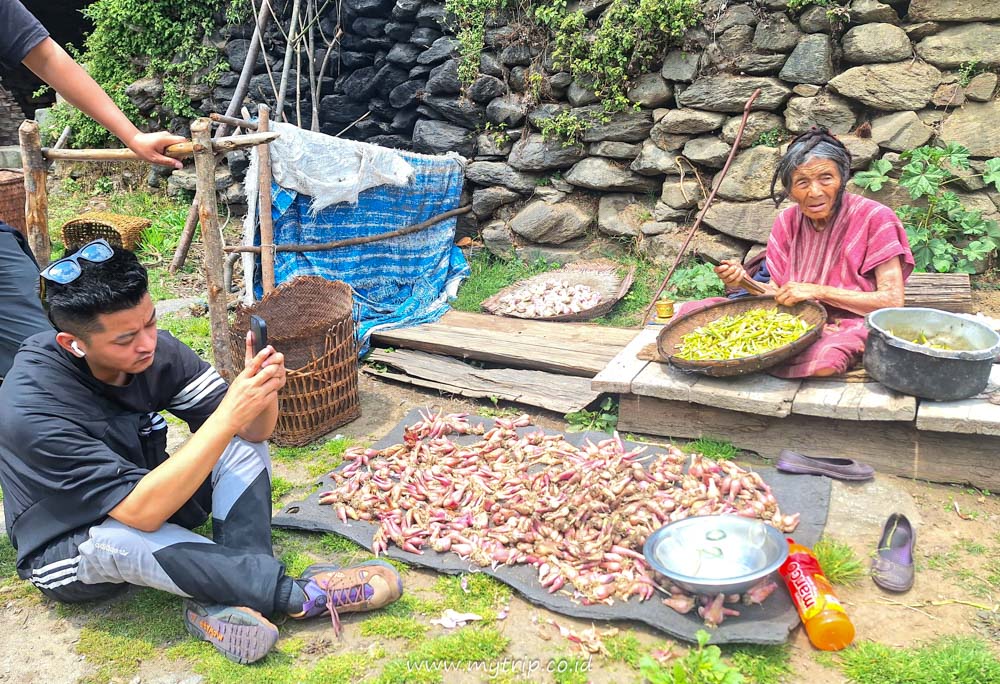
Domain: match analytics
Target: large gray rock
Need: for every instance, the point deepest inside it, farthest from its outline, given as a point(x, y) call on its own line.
point(498, 239)
point(629, 126)
point(776, 33)
point(145, 93)
point(681, 194)
point(922, 29)
point(757, 64)
point(707, 151)
point(681, 66)
point(438, 137)
point(757, 123)
point(750, 175)
point(552, 224)
point(981, 87)
point(949, 49)
point(873, 43)
point(745, 220)
point(737, 15)
point(509, 109)
point(872, 11)
point(598, 173)
point(615, 150)
point(948, 95)
point(688, 122)
point(653, 161)
point(485, 89)
point(815, 20)
point(900, 131)
point(662, 248)
point(736, 41)
point(954, 10)
point(811, 61)
point(485, 201)
point(534, 153)
point(650, 91)
point(443, 79)
point(622, 214)
point(975, 126)
point(580, 96)
point(457, 110)
point(497, 173)
point(825, 109)
point(863, 150)
point(442, 49)
point(730, 93)
point(891, 87)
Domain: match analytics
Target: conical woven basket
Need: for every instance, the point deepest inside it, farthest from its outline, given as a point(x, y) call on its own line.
point(118, 229)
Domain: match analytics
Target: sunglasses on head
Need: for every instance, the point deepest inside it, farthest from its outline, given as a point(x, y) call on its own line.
point(68, 269)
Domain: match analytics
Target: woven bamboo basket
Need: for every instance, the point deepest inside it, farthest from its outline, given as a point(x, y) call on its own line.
point(118, 229)
point(310, 321)
point(12, 198)
point(601, 275)
point(670, 336)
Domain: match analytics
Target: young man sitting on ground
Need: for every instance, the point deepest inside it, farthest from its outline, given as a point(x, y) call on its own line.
point(91, 499)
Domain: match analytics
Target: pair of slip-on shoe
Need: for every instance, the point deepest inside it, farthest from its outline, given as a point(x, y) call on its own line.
point(839, 468)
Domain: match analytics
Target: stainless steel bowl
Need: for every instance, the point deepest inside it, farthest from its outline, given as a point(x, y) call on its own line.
point(715, 554)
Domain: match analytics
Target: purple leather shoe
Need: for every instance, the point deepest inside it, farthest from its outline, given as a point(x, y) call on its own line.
point(892, 567)
point(839, 468)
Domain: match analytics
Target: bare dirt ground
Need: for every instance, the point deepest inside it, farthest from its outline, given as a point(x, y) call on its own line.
point(957, 552)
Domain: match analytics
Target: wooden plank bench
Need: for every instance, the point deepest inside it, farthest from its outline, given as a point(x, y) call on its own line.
point(945, 291)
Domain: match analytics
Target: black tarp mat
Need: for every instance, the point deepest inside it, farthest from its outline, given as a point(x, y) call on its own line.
point(765, 624)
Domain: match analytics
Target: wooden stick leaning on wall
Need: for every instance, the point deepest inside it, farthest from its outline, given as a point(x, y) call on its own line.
point(264, 203)
point(36, 197)
point(178, 151)
point(708, 203)
point(208, 215)
point(348, 242)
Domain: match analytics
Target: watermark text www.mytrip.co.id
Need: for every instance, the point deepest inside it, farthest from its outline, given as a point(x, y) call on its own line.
point(503, 666)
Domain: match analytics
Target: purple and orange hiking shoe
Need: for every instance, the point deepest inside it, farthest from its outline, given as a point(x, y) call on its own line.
point(242, 635)
point(329, 588)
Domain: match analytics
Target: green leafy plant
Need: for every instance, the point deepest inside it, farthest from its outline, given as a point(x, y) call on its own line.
point(945, 237)
point(715, 449)
point(565, 126)
point(840, 563)
point(967, 71)
point(771, 138)
point(702, 665)
point(604, 419)
point(697, 281)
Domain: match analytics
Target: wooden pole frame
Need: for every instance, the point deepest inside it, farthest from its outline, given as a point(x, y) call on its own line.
point(36, 196)
point(208, 214)
point(264, 202)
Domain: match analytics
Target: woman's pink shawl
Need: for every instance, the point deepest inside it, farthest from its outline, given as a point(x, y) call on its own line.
point(865, 235)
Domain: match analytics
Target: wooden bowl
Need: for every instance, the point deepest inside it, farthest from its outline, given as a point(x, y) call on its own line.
point(811, 312)
point(598, 274)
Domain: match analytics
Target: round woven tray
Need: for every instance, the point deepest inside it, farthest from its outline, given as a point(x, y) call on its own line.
point(601, 275)
point(811, 312)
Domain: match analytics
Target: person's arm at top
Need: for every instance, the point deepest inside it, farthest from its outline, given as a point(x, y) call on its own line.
point(249, 403)
point(52, 64)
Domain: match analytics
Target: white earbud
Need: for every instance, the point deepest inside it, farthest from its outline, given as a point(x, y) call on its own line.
point(76, 349)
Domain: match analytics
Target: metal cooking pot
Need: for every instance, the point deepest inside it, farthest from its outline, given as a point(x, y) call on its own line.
point(959, 372)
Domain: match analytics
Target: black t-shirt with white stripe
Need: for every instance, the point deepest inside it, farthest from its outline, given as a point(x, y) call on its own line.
point(72, 447)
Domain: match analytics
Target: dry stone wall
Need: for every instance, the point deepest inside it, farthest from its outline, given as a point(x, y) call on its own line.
point(899, 69)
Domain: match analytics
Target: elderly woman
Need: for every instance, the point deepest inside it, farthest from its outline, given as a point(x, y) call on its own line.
point(847, 251)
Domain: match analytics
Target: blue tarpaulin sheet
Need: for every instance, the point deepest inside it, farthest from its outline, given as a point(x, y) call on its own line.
point(398, 282)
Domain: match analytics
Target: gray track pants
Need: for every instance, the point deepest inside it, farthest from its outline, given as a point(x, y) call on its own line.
point(235, 568)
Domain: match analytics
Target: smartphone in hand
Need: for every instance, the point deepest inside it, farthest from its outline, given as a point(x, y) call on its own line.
point(258, 332)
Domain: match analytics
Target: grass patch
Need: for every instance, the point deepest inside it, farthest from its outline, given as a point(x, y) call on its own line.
point(423, 663)
point(951, 660)
point(490, 274)
point(8, 559)
point(840, 563)
point(715, 449)
point(972, 548)
point(624, 647)
point(319, 459)
point(279, 487)
point(393, 627)
point(483, 594)
point(762, 664)
point(128, 631)
point(194, 331)
point(628, 312)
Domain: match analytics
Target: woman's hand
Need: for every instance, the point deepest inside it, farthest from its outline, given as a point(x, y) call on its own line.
point(793, 293)
point(731, 272)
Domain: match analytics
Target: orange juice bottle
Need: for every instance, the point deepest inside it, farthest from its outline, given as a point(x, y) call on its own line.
point(825, 619)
